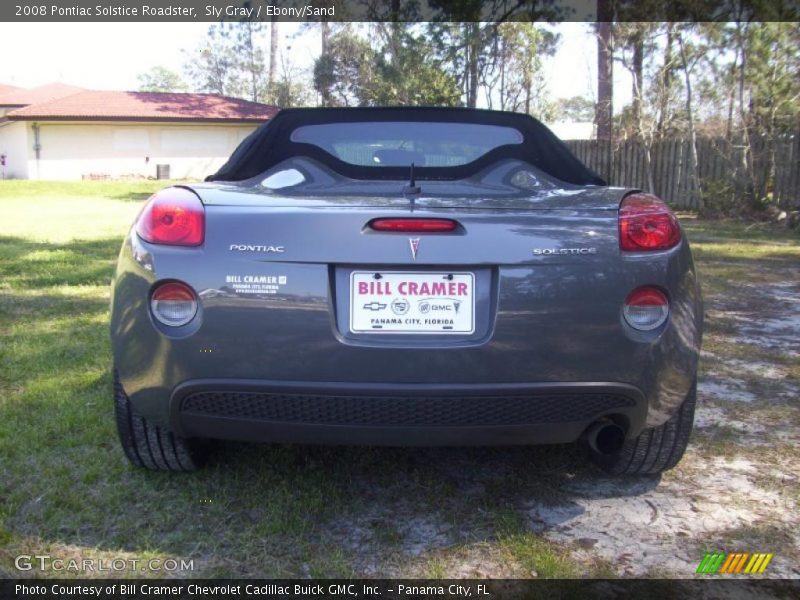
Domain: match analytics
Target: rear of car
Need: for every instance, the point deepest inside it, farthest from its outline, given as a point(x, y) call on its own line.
point(405, 277)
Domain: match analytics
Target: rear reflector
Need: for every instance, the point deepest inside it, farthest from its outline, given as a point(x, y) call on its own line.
point(414, 225)
point(647, 224)
point(173, 303)
point(174, 217)
point(646, 308)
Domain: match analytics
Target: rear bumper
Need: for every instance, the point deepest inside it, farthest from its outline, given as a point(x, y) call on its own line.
point(400, 414)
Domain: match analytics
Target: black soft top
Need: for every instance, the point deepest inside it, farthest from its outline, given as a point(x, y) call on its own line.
point(271, 144)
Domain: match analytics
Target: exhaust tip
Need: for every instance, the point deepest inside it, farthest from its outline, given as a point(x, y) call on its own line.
point(605, 437)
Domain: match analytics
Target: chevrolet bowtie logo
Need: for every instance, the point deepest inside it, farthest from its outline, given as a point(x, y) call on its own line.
point(374, 306)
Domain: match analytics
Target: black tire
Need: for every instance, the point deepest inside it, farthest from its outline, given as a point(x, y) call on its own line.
point(656, 449)
point(149, 446)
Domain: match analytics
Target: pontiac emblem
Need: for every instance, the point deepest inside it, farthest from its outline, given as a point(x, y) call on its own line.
point(254, 248)
point(414, 243)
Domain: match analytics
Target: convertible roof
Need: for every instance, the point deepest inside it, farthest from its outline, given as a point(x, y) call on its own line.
point(271, 144)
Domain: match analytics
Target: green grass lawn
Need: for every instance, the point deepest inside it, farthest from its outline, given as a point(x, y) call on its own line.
point(66, 489)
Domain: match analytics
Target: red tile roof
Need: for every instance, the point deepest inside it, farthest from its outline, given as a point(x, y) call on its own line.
point(5, 88)
point(144, 106)
point(43, 93)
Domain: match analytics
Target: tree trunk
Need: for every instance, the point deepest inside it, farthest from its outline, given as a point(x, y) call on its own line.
point(638, 79)
point(642, 137)
point(396, 30)
point(273, 57)
point(769, 142)
point(666, 83)
point(325, 34)
point(605, 74)
point(604, 112)
point(251, 48)
point(690, 115)
point(731, 100)
point(472, 63)
point(746, 165)
point(502, 73)
point(526, 82)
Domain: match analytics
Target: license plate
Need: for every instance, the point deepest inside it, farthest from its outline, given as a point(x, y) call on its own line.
point(412, 302)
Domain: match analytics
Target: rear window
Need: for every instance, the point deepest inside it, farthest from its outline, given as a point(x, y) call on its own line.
point(398, 144)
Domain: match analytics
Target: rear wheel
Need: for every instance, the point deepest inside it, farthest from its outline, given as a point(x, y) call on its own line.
point(656, 449)
point(150, 446)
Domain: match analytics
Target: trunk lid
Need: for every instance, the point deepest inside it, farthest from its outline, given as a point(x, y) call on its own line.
point(549, 228)
point(435, 195)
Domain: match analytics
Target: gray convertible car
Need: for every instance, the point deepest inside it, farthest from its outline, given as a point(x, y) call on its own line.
point(405, 276)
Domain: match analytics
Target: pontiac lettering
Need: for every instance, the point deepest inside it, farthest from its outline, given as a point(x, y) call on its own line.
point(256, 248)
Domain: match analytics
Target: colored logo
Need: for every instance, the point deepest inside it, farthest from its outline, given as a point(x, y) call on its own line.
point(720, 563)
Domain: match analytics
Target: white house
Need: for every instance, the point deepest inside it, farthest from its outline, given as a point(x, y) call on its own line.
point(62, 132)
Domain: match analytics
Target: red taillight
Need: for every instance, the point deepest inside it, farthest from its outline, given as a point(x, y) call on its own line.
point(646, 296)
point(646, 308)
point(414, 225)
point(646, 223)
point(175, 217)
point(173, 303)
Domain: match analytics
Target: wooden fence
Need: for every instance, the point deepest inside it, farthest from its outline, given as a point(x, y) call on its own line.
point(719, 166)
